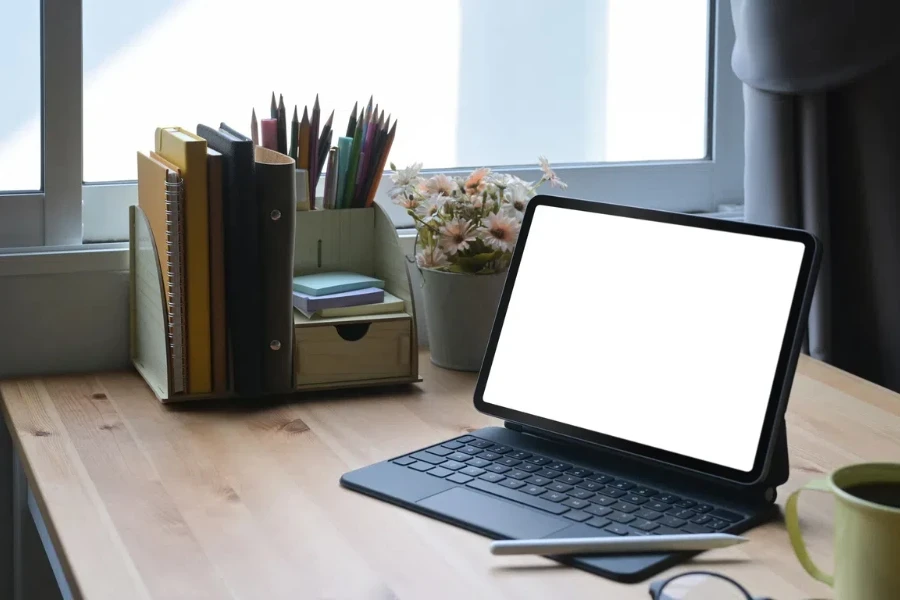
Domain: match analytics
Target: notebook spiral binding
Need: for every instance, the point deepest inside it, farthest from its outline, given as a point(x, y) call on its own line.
point(177, 319)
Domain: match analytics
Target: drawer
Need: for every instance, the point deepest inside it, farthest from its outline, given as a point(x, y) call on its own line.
point(356, 351)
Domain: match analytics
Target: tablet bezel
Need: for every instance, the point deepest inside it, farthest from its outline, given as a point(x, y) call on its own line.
point(782, 378)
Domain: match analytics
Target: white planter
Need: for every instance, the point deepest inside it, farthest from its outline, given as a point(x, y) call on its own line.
point(459, 311)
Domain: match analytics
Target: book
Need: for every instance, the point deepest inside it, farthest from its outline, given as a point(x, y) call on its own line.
point(308, 304)
point(321, 284)
point(277, 205)
point(243, 282)
point(188, 152)
point(219, 326)
point(390, 304)
point(160, 197)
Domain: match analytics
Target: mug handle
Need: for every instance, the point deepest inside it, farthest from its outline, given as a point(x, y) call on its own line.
point(793, 527)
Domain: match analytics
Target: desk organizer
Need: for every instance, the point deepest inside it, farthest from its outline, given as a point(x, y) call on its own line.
point(329, 353)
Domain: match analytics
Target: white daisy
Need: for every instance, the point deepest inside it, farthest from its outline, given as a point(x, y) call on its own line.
point(456, 235)
point(405, 176)
point(431, 258)
point(550, 175)
point(501, 232)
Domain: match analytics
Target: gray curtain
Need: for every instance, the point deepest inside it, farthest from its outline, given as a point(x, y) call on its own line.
point(822, 152)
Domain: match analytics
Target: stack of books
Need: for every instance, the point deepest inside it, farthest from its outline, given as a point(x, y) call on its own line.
point(342, 294)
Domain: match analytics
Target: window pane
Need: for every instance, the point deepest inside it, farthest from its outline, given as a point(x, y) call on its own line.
point(473, 82)
point(20, 95)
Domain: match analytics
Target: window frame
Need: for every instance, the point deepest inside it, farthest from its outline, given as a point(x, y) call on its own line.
point(67, 212)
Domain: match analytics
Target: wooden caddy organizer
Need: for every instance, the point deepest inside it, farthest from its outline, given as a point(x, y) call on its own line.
point(340, 352)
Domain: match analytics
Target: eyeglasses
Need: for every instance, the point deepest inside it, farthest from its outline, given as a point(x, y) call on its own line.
point(699, 585)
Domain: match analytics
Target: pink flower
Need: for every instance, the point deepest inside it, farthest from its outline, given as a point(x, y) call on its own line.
point(407, 201)
point(431, 258)
point(476, 183)
point(456, 235)
point(501, 232)
point(440, 184)
point(549, 174)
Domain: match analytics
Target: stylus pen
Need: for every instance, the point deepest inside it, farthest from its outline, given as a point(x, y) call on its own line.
point(617, 545)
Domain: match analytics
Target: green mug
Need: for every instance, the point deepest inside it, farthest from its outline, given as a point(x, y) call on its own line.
point(866, 534)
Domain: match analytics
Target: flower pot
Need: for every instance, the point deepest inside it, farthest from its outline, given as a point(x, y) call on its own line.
point(459, 311)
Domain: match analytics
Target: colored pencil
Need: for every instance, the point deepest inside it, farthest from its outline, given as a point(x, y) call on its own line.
point(314, 145)
point(344, 144)
point(382, 160)
point(373, 175)
point(331, 179)
point(282, 126)
point(254, 129)
point(352, 170)
point(295, 131)
point(351, 124)
point(364, 166)
point(303, 144)
point(273, 108)
point(325, 140)
point(270, 133)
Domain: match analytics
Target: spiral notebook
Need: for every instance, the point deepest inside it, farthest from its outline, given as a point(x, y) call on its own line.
point(161, 197)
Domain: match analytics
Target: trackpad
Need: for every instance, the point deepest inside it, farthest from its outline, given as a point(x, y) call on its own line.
point(493, 516)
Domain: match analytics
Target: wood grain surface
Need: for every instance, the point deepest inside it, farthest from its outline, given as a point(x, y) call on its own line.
point(238, 499)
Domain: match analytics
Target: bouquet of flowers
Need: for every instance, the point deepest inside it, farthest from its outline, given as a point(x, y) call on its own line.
point(466, 224)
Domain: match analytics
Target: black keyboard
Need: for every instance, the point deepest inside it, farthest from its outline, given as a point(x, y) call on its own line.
point(616, 506)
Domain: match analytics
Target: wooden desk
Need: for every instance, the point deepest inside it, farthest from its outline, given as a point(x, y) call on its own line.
point(242, 500)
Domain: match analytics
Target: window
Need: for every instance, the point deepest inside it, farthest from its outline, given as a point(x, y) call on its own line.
point(633, 101)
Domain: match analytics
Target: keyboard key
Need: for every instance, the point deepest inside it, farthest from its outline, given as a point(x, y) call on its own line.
point(667, 498)
point(440, 451)
point(471, 471)
point(559, 487)
point(478, 462)
point(694, 528)
point(459, 478)
point(621, 484)
point(476, 443)
point(538, 480)
point(428, 457)
point(599, 511)
point(591, 486)
point(717, 524)
point(534, 490)
point(703, 508)
point(577, 515)
point(453, 465)
point(617, 529)
point(598, 522)
point(421, 466)
point(644, 491)
point(518, 455)
point(465, 439)
point(489, 455)
point(526, 466)
point(634, 498)
point(612, 492)
point(470, 450)
point(721, 513)
point(497, 449)
point(440, 472)
point(624, 507)
point(637, 532)
point(452, 445)
point(497, 469)
point(554, 496)
point(508, 462)
point(537, 460)
point(685, 503)
point(650, 515)
point(601, 478)
point(701, 519)
point(403, 461)
point(670, 521)
point(682, 513)
point(658, 506)
point(549, 473)
point(603, 500)
point(516, 474)
point(644, 525)
point(518, 496)
point(579, 472)
point(559, 466)
point(569, 480)
point(576, 503)
point(512, 484)
point(665, 530)
point(581, 494)
point(458, 457)
point(492, 477)
point(620, 517)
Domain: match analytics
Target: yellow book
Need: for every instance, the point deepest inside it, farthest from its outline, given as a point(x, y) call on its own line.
point(188, 152)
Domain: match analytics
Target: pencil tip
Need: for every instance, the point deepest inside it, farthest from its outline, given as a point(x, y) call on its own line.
point(295, 112)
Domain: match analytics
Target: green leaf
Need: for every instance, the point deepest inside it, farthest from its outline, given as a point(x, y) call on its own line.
point(393, 167)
